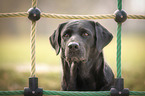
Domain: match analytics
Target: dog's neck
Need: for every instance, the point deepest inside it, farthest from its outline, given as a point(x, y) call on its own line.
point(82, 70)
point(93, 63)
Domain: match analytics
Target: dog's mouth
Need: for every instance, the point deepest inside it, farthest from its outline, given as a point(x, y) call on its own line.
point(76, 59)
point(77, 55)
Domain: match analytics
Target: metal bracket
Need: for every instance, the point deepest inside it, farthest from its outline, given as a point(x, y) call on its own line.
point(33, 89)
point(34, 14)
point(119, 89)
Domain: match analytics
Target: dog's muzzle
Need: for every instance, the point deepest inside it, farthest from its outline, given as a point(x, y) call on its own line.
point(75, 52)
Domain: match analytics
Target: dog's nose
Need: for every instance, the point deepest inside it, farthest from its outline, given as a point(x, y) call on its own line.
point(73, 45)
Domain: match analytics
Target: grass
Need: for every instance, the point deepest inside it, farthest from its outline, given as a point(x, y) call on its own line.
point(12, 80)
point(15, 53)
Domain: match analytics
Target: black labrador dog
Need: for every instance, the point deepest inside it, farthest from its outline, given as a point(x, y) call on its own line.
point(81, 43)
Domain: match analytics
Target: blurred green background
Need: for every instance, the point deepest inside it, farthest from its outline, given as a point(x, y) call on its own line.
point(15, 42)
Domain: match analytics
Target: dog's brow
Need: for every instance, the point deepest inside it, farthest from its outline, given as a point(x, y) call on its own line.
point(68, 30)
point(85, 29)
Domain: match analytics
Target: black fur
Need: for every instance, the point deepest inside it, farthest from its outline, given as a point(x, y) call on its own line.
point(81, 43)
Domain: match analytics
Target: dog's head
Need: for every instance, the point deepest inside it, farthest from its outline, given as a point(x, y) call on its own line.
point(78, 39)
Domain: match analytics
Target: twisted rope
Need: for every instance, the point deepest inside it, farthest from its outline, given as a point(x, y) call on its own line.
point(118, 58)
point(119, 4)
point(118, 51)
point(33, 31)
point(66, 16)
point(70, 93)
point(18, 14)
point(34, 3)
point(75, 93)
point(137, 93)
point(21, 92)
point(136, 17)
point(33, 49)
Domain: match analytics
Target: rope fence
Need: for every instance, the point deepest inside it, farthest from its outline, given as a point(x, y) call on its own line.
point(66, 16)
point(70, 93)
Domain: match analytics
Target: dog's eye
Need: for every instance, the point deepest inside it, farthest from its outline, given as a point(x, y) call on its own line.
point(85, 34)
point(66, 35)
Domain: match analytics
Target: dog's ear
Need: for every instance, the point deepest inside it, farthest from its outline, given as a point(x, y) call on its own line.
point(55, 38)
point(103, 36)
